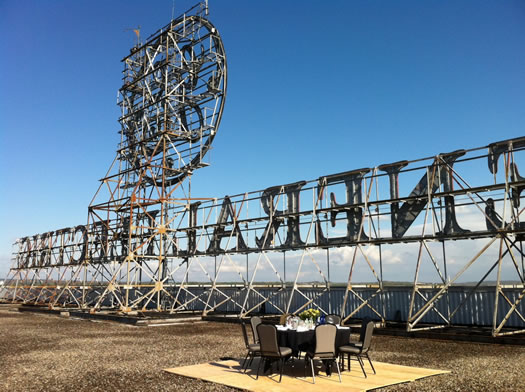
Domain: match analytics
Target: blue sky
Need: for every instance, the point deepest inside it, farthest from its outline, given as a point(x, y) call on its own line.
point(313, 89)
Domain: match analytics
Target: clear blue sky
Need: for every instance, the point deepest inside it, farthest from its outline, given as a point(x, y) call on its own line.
point(314, 88)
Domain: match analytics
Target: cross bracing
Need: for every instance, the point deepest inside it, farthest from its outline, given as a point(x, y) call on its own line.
point(180, 254)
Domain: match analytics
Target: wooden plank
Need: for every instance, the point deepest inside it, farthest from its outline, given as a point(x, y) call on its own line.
point(229, 373)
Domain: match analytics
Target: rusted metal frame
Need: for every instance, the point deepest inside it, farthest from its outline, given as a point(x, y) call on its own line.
point(434, 262)
point(309, 301)
point(500, 260)
point(263, 253)
point(177, 185)
point(434, 308)
point(162, 237)
point(176, 214)
point(473, 290)
point(499, 291)
point(227, 299)
point(468, 193)
point(189, 262)
point(315, 204)
point(114, 290)
point(204, 234)
point(64, 294)
point(8, 284)
point(27, 287)
point(146, 167)
point(377, 233)
point(506, 161)
point(48, 274)
point(99, 269)
point(131, 253)
point(74, 297)
point(466, 267)
point(368, 192)
point(16, 291)
point(68, 283)
point(111, 284)
point(188, 302)
point(226, 255)
point(181, 306)
point(369, 263)
point(149, 295)
point(509, 245)
point(425, 308)
point(415, 289)
point(38, 286)
point(349, 289)
point(440, 226)
point(348, 286)
point(145, 267)
point(364, 302)
point(33, 285)
point(76, 291)
point(266, 299)
point(140, 298)
point(103, 181)
point(151, 57)
point(512, 310)
point(214, 285)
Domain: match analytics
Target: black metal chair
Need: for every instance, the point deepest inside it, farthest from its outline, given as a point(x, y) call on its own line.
point(253, 349)
point(324, 348)
point(333, 319)
point(254, 322)
point(359, 349)
point(270, 350)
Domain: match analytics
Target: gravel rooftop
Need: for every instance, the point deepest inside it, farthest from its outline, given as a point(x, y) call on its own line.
point(50, 353)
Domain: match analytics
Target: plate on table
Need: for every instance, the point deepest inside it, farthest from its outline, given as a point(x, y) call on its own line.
point(341, 327)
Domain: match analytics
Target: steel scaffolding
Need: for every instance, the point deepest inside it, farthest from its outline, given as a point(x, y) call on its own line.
point(149, 245)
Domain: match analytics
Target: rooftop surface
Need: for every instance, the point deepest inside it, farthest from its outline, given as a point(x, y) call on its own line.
point(44, 352)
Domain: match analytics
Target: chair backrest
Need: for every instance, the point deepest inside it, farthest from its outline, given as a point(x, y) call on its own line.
point(367, 339)
point(325, 340)
point(268, 340)
point(244, 334)
point(333, 319)
point(362, 332)
point(255, 321)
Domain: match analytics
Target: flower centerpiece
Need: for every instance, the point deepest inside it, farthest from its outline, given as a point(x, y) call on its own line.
point(310, 314)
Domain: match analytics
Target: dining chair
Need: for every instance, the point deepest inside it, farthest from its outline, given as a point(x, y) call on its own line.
point(253, 349)
point(255, 321)
point(270, 349)
point(359, 349)
point(333, 319)
point(325, 335)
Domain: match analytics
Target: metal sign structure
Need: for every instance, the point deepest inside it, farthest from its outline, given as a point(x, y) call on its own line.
point(149, 246)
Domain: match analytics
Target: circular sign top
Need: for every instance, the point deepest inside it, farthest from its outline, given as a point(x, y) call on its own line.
point(172, 100)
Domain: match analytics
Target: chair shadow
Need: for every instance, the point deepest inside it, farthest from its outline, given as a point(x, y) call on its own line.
point(293, 369)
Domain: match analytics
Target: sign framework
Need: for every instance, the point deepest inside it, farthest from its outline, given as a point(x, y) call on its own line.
point(146, 234)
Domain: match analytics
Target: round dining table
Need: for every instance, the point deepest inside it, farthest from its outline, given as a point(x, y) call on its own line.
point(304, 339)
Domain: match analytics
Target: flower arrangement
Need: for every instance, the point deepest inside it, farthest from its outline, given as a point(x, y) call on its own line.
point(310, 314)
